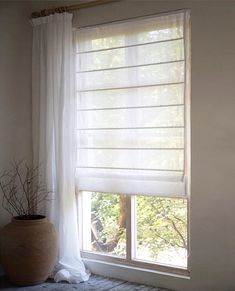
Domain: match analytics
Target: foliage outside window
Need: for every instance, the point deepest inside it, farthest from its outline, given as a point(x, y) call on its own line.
point(161, 228)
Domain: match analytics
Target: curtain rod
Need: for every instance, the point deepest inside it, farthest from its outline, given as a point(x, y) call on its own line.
point(62, 9)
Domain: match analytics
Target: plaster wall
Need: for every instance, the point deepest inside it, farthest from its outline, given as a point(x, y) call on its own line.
point(15, 87)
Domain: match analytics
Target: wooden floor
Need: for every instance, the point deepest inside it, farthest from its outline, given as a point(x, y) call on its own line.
point(94, 283)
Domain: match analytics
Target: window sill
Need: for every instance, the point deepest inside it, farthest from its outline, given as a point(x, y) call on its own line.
point(92, 259)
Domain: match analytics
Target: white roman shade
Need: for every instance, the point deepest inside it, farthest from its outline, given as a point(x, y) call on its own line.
point(132, 106)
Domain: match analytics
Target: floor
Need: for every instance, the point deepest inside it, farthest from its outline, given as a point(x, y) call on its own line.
point(95, 283)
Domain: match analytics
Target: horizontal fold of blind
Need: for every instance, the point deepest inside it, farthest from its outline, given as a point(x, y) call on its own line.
point(131, 107)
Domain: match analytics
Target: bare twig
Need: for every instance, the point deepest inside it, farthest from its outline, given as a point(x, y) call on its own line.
point(22, 190)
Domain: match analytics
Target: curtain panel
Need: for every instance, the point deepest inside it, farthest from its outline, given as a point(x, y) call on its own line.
point(53, 93)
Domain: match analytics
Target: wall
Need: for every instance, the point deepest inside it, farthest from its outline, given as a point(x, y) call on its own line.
point(212, 215)
point(15, 87)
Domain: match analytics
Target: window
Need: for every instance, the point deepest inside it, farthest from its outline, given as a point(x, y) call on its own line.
point(133, 140)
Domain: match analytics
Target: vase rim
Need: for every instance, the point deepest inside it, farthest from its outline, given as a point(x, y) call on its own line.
point(29, 218)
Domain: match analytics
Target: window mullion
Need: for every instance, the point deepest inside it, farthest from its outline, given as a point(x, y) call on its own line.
point(130, 239)
point(129, 230)
point(133, 226)
point(86, 220)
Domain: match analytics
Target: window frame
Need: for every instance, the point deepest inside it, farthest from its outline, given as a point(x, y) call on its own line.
point(130, 261)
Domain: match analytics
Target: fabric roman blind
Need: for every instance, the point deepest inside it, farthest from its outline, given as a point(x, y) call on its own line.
point(132, 100)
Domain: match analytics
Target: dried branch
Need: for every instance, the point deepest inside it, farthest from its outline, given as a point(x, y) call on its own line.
point(22, 190)
point(184, 244)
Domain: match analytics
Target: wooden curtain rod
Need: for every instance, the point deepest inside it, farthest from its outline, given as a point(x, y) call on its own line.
point(62, 9)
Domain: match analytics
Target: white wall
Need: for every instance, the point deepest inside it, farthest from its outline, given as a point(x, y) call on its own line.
point(212, 217)
point(15, 87)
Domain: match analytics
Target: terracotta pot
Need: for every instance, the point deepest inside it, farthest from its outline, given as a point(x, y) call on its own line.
point(28, 250)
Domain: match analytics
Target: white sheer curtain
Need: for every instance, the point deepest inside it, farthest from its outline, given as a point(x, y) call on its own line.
point(53, 134)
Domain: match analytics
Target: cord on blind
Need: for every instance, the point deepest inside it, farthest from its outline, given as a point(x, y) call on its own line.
point(131, 106)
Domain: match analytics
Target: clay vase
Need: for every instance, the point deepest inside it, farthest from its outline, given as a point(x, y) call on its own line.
point(28, 249)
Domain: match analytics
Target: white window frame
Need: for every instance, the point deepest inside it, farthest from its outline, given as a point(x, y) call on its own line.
point(130, 259)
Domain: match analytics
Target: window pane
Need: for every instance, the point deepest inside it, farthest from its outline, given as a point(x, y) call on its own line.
point(155, 29)
point(161, 230)
point(159, 52)
point(135, 97)
point(140, 76)
point(127, 138)
point(171, 160)
point(108, 223)
point(126, 118)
